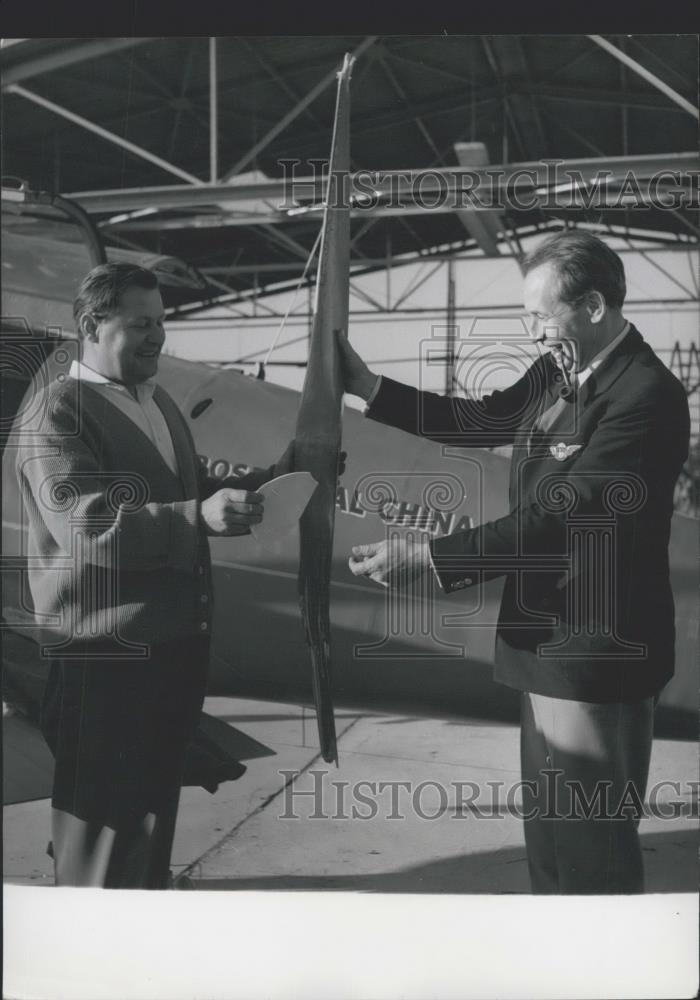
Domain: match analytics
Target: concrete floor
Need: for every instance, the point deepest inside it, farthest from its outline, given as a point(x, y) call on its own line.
point(297, 830)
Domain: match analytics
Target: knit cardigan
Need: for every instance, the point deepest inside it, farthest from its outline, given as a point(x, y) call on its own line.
point(117, 556)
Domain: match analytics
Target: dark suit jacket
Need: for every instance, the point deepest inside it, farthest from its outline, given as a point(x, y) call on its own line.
point(587, 610)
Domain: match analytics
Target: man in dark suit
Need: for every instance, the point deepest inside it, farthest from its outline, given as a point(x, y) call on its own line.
point(118, 510)
point(599, 429)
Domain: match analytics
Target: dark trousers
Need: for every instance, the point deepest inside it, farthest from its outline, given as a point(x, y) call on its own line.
point(585, 768)
point(119, 729)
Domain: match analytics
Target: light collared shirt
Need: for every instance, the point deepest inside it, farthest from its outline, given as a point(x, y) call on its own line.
point(552, 412)
point(142, 409)
point(580, 377)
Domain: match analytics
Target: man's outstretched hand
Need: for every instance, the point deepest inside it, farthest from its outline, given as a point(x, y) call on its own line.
point(392, 564)
point(357, 378)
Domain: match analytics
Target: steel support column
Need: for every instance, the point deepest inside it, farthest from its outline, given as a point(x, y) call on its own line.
point(213, 114)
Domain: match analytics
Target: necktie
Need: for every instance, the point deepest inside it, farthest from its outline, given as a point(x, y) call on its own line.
point(552, 407)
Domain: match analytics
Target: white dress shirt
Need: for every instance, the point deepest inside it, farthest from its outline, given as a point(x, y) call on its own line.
point(551, 413)
point(580, 377)
point(142, 410)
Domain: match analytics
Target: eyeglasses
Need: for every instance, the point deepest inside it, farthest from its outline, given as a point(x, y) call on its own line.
point(572, 306)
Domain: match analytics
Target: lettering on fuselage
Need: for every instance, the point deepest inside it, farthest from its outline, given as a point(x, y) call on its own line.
point(404, 514)
point(400, 513)
point(221, 468)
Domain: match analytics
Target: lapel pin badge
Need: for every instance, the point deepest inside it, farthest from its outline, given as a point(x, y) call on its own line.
point(563, 451)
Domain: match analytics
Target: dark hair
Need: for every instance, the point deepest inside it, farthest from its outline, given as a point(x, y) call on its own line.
point(102, 288)
point(583, 264)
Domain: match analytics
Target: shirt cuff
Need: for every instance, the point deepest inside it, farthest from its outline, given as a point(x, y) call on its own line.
point(373, 393)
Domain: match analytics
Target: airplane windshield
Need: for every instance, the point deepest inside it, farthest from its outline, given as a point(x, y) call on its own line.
point(46, 253)
point(42, 257)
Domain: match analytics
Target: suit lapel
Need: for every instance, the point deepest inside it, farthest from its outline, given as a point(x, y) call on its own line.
point(568, 420)
point(542, 381)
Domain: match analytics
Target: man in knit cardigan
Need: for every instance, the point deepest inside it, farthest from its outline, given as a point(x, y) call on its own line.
point(119, 508)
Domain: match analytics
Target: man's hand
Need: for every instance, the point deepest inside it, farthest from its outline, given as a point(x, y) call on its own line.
point(393, 563)
point(231, 512)
point(357, 378)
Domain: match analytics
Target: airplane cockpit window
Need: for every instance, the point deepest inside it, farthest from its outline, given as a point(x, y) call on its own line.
point(43, 253)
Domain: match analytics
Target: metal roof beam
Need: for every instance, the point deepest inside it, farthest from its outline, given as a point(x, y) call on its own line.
point(428, 181)
point(293, 113)
point(131, 147)
point(610, 203)
point(34, 65)
point(198, 94)
point(645, 74)
point(213, 114)
point(181, 100)
point(429, 67)
point(420, 124)
point(276, 235)
point(511, 55)
point(686, 222)
point(598, 95)
point(663, 271)
point(480, 226)
point(385, 119)
point(281, 82)
point(491, 60)
point(283, 241)
point(575, 134)
point(662, 62)
point(274, 75)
